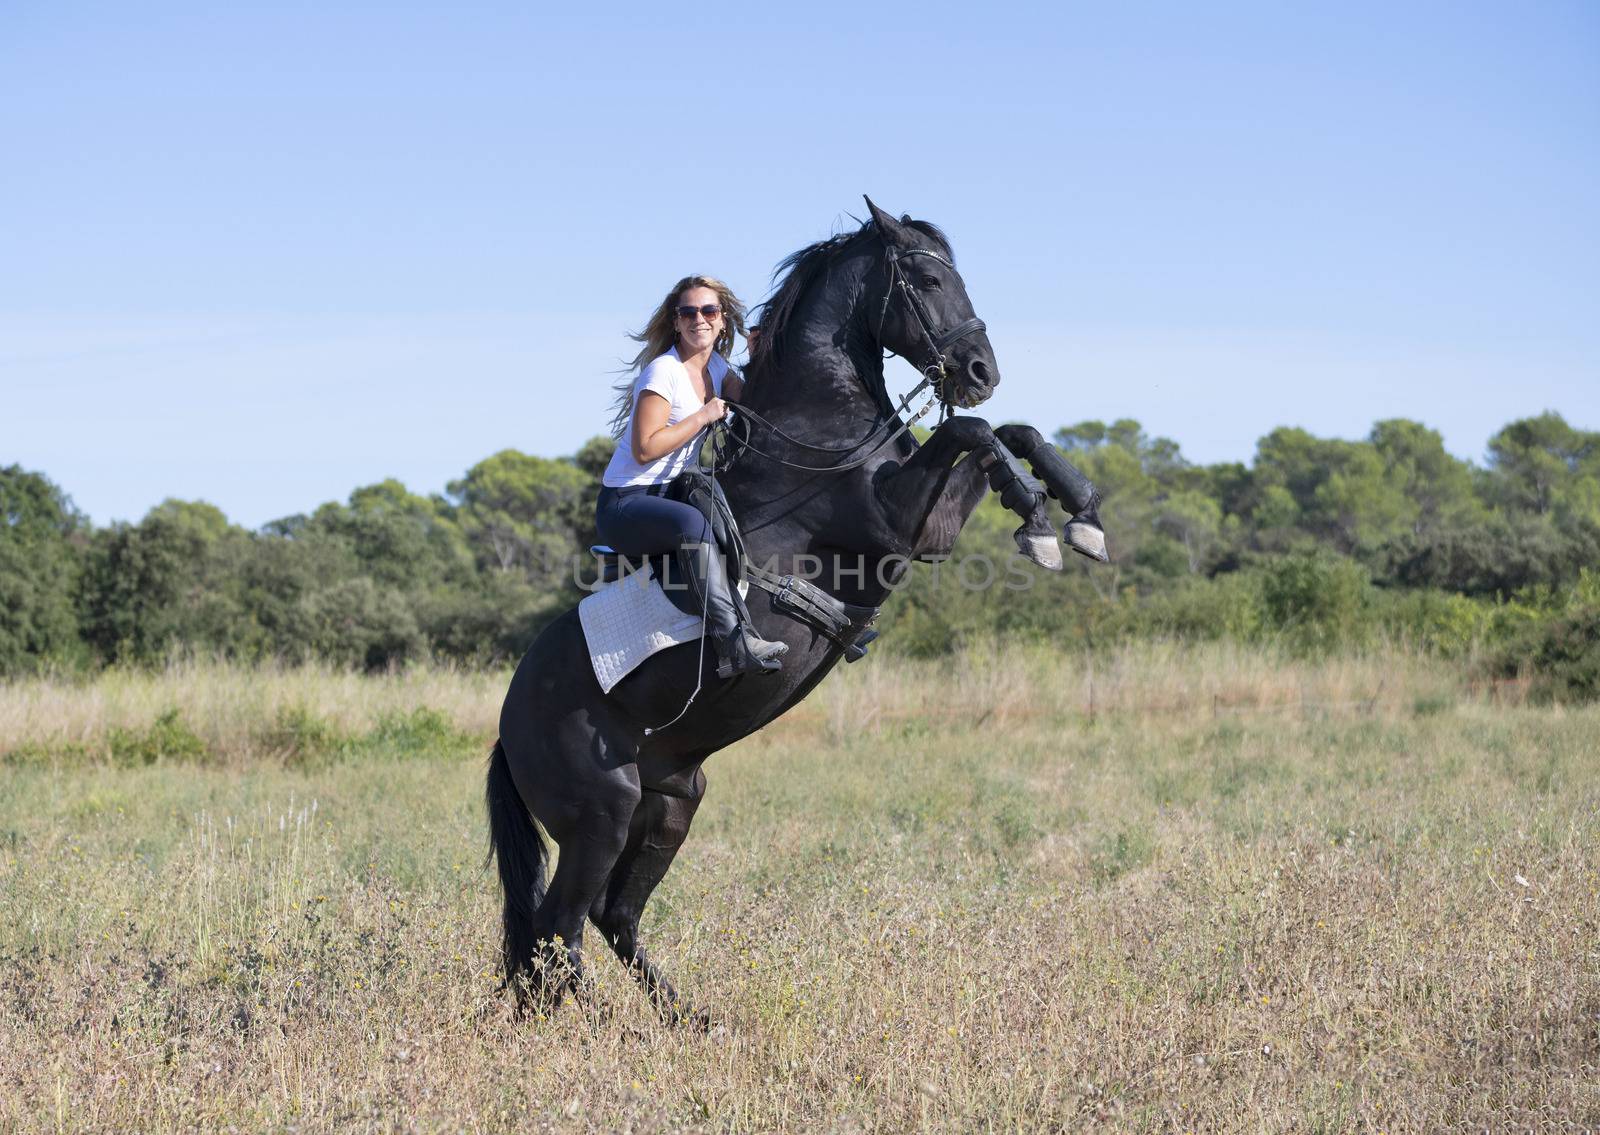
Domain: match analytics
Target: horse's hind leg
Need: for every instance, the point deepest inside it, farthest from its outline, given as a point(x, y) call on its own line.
point(660, 825)
point(589, 822)
point(573, 768)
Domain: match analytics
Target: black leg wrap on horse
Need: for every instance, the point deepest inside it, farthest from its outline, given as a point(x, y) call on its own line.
point(1075, 491)
point(1083, 530)
point(1020, 491)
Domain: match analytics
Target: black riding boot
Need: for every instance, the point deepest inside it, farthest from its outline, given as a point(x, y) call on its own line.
point(739, 649)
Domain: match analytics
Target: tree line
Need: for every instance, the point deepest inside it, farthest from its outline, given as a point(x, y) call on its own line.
point(1319, 539)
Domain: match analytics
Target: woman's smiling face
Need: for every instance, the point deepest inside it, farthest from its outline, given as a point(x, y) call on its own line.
point(697, 331)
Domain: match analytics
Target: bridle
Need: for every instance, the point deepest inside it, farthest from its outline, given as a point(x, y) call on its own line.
point(937, 340)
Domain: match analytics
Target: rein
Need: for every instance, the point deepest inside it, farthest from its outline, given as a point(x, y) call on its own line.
point(744, 444)
point(937, 340)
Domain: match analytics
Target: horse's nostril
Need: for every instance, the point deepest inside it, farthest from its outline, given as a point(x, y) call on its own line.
point(979, 372)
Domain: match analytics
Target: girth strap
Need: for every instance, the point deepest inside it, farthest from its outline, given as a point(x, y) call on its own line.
point(847, 625)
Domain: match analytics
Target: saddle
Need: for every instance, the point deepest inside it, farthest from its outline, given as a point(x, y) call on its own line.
point(847, 625)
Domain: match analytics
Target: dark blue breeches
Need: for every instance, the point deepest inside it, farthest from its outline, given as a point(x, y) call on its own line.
point(637, 521)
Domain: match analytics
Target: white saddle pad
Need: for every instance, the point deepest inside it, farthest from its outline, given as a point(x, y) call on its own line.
point(626, 622)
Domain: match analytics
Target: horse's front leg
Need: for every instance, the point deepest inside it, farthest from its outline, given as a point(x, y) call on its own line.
point(936, 494)
point(1076, 493)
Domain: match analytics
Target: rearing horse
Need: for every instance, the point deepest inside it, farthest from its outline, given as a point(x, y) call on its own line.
point(618, 798)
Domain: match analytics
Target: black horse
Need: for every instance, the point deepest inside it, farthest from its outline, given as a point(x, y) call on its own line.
point(826, 475)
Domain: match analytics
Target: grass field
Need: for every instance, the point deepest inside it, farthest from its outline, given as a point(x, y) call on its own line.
point(1177, 889)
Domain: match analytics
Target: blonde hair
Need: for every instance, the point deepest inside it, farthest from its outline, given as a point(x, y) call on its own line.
point(661, 334)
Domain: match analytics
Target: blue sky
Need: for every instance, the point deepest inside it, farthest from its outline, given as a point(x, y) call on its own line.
point(263, 254)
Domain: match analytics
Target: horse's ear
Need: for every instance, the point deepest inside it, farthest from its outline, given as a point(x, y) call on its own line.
point(894, 232)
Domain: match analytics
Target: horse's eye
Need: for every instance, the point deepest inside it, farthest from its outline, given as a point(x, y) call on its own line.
point(930, 281)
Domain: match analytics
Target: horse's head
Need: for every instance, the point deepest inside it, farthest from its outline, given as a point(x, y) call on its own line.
point(922, 312)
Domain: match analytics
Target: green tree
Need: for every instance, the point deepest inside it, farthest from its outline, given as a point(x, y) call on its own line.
point(1437, 484)
point(1342, 494)
point(594, 455)
point(41, 551)
point(397, 538)
point(1545, 466)
point(1194, 520)
point(171, 580)
point(357, 622)
point(525, 514)
point(1158, 522)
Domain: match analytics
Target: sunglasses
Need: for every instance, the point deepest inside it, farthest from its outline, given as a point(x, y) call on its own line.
point(709, 310)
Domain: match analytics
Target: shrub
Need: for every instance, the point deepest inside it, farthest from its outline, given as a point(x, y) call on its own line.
point(167, 737)
point(422, 732)
point(1226, 606)
point(1316, 601)
point(1561, 655)
point(1444, 624)
point(301, 736)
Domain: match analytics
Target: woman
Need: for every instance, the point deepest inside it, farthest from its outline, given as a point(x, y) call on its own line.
point(679, 382)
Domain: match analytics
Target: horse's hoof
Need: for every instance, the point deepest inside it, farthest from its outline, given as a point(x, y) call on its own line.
point(694, 1020)
point(534, 995)
point(1086, 539)
point(1042, 548)
point(534, 1007)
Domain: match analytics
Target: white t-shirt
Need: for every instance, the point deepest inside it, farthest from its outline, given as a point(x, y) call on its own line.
point(666, 376)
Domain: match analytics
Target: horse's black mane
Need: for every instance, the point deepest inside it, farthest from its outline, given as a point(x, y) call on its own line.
point(799, 270)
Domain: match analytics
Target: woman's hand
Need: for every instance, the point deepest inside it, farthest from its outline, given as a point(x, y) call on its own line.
point(712, 412)
point(653, 438)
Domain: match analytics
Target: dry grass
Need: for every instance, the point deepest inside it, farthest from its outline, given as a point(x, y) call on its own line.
point(236, 711)
point(1250, 894)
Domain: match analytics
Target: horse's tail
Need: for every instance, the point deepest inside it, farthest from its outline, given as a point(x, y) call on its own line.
point(520, 853)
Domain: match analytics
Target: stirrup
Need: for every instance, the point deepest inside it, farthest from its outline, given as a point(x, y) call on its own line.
point(740, 651)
